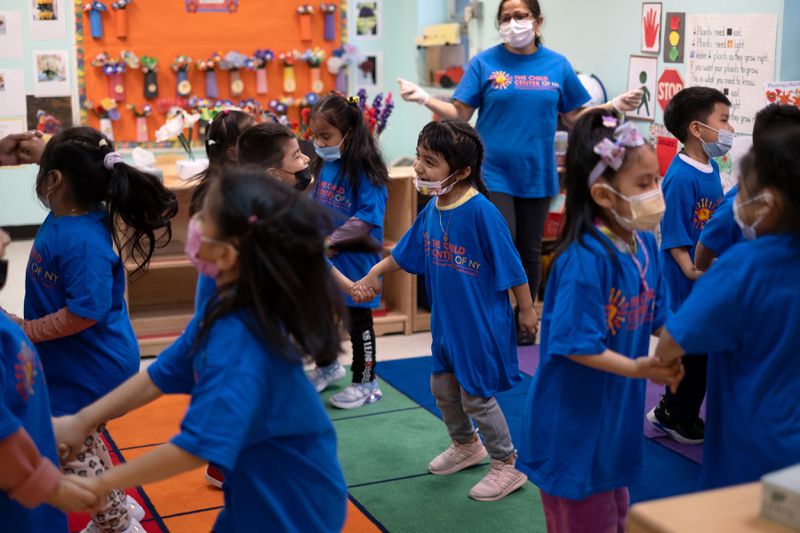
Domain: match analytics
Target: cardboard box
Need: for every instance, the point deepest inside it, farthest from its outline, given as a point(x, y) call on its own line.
point(781, 496)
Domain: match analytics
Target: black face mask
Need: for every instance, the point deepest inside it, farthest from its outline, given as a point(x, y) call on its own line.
point(3, 272)
point(302, 178)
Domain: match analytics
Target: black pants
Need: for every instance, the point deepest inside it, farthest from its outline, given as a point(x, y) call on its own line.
point(525, 218)
point(684, 406)
point(362, 337)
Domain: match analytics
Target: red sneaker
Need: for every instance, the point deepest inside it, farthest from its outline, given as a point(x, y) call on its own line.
point(214, 476)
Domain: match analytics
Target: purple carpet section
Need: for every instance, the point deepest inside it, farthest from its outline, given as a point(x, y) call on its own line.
point(529, 360)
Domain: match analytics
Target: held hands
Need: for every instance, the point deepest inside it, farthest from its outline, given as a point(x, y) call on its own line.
point(529, 321)
point(21, 148)
point(366, 289)
point(412, 92)
point(657, 371)
point(628, 101)
point(70, 432)
point(74, 495)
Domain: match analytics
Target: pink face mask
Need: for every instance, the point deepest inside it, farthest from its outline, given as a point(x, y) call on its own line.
point(194, 240)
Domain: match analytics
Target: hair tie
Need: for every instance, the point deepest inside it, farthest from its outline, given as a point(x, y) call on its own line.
point(102, 143)
point(252, 219)
point(612, 153)
point(354, 101)
point(111, 159)
point(211, 142)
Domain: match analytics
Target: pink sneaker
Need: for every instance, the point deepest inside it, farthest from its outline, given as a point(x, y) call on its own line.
point(501, 480)
point(457, 457)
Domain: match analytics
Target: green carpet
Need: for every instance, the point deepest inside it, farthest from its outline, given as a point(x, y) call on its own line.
point(384, 449)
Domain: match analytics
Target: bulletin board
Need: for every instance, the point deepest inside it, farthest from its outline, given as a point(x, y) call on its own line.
point(166, 29)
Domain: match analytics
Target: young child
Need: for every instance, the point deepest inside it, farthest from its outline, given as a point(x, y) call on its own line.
point(254, 413)
point(722, 232)
point(744, 313)
point(698, 117)
point(605, 296)
point(29, 476)
point(75, 285)
point(221, 136)
point(463, 246)
point(351, 182)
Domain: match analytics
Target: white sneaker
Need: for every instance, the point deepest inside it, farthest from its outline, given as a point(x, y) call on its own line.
point(501, 480)
point(133, 527)
point(134, 509)
point(457, 457)
point(325, 376)
point(356, 395)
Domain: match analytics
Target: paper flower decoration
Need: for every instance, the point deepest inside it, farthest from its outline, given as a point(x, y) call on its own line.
point(173, 129)
point(233, 62)
point(121, 18)
point(95, 11)
point(114, 69)
point(150, 67)
point(289, 80)
point(305, 12)
point(181, 67)
point(314, 58)
point(338, 63)
point(328, 10)
point(251, 106)
point(209, 66)
point(142, 132)
point(377, 115)
point(261, 60)
point(107, 112)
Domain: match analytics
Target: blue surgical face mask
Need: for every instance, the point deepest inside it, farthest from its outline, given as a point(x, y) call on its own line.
point(721, 147)
point(329, 153)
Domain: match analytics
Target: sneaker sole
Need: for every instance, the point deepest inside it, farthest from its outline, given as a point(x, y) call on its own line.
point(471, 461)
point(135, 510)
point(213, 482)
point(325, 384)
point(515, 486)
point(366, 400)
point(674, 435)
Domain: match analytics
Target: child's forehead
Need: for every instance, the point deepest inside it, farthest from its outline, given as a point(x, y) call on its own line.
point(425, 150)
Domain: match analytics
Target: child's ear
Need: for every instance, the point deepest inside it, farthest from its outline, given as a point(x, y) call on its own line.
point(229, 259)
point(694, 130)
point(464, 173)
point(602, 196)
point(230, 154)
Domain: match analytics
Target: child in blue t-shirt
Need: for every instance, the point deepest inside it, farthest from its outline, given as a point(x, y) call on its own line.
point(29, 477)
point(351, 181)
point(605, 297)
point(462, 245)
point(75, 312)
point(698, 117)
point(253, 413)
point(722, 232)
point(744, 313)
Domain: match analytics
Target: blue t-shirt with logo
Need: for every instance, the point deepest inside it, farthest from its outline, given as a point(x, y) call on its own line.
point(582, 429)
point(368, 204)
point(467, 277)
point(744, 313)
point(692, 197)
point(73, 264)
point(722, 231)
point(256, 416)
point(24, 404)
point(518, 98)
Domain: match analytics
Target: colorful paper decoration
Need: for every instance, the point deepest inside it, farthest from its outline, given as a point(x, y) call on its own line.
point(261, 60)
point(107, 112)
point(115, 68)
point(150, 69)
point(314, 58)
point(95, 10)
point(674, 37)
point(121, 18)
point(44, 10)
point(233, 63)
point(289, 80)
point(377, 115)
point(329, 19)
point(47, 123)
point(142, 133)
point(181, 67)
point(338, 63)
point(209, 67)
point(305, 12)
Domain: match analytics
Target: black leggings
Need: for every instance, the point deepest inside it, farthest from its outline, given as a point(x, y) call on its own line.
point(685, 405)
point(525, 218)
point(362, 337)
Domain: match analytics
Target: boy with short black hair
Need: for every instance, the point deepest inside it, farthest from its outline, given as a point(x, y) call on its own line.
point(698, 117)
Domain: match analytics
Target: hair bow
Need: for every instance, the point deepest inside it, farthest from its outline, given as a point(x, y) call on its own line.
point(612, 153)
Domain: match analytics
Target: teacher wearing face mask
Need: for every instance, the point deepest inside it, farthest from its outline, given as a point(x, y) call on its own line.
point(520, 87)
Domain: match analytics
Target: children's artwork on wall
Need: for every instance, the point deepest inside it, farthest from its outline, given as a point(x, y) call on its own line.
point(368, 19)
point(651, 27)
point(10, 35)
point(368, 73)
point(674, 37)
point(48, 20)
point(12, 92)
point(782, 92)
point(51, 73)
point(46, 114)
point(212, 6)
point(642, 75)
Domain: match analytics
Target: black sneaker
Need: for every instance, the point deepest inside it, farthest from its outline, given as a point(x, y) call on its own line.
point(523, 339)
point(692, 433)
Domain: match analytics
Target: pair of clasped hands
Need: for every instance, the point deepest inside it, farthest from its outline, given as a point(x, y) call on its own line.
point(365, 289)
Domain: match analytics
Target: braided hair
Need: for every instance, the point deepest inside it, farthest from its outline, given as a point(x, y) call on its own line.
point(459, 144)
point(137, 204)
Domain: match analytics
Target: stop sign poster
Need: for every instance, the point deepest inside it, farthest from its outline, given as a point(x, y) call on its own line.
point(669, 84)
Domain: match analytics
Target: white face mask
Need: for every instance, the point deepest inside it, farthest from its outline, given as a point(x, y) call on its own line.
point(517, 34)
point(748, 231)
point(722, 146)
point(434, 188)
point(647, 210)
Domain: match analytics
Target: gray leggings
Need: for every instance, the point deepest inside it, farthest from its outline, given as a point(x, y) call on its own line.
point(458, 407)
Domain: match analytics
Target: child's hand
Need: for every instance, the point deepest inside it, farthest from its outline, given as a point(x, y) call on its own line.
point(367, 288)
point(361, 294)
point(657, 371)
point(694, 274)
point(529, 321)
point(72, 495)
point(70, 432)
